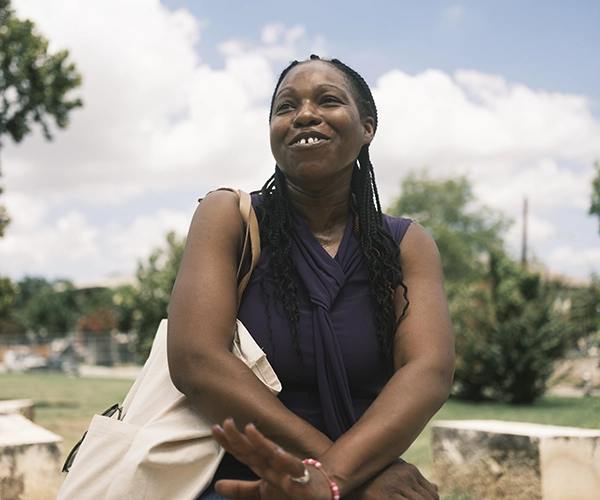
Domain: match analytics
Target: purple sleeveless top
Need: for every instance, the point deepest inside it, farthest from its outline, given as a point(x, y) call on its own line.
point(341, 371)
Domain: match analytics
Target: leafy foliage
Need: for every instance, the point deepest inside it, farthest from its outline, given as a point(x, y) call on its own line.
point(595, 202)
point(510, 328)
point(42, 307)
point(585, 310)
point(510, 325)
point(34, 83)
point(141, 307)
point(54, 308)
point(464, 230)
point(8, 291)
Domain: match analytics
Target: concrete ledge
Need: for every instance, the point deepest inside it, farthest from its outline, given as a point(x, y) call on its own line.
point(30, 460)
point(17, 407)
point(492, 459)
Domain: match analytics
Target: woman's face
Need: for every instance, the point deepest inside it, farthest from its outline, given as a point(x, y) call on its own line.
point(316, 128)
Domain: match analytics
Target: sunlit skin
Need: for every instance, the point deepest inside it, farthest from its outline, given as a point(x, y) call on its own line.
point(316, 101)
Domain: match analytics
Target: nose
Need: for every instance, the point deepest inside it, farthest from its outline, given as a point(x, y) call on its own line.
point(307, 114)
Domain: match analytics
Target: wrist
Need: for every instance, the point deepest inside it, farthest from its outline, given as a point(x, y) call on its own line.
point(335, 491)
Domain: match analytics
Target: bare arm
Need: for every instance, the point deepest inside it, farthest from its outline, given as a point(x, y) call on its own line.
point(219, 385)
point(202, 315)
point(424, 366)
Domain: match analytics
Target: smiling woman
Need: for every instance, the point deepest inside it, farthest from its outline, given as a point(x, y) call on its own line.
point(347, 303)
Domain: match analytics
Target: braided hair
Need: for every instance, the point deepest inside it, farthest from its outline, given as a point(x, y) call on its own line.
point(380, 250)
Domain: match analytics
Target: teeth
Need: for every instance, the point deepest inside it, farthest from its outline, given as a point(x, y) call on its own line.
point(309, 140)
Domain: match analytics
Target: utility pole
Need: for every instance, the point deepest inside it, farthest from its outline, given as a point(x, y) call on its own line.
point(524, 243)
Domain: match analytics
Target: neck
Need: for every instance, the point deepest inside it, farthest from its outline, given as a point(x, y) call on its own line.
point(324, 210)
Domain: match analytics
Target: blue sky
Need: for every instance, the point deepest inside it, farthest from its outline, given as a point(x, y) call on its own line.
point(549, 45)
point(175, 98)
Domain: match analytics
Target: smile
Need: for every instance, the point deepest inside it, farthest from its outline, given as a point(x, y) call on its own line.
point(308, 140)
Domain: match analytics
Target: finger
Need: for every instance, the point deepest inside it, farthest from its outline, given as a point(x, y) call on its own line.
point(266, 459)
point(281, 461)
point(237, 443)
point(431, 488)
point(234, 489)
point(421, 493)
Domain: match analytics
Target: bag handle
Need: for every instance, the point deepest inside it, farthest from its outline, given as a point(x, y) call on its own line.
point(251, 241)
point(251, 238)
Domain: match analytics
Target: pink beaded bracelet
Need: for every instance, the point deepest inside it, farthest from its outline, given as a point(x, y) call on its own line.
point(334, 487)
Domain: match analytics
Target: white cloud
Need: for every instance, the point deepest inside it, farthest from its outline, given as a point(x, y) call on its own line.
point(576, 260)
point(546, 184)
point(502, 135)
point(137, 240)
point(72, 243)
point(68, 241)
point(539, 230)
point(156, 119)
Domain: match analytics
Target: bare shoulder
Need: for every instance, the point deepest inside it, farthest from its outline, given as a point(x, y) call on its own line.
point(418, 248)
point(216, 207)
point(205, 291)
point(425, 332)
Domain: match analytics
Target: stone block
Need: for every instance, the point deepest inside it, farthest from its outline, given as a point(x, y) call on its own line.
point(30, 460)
point(17, 407)
point(492, 459)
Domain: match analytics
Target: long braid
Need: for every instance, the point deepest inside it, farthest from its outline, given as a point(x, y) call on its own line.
point(380, 250)
point(275, 218)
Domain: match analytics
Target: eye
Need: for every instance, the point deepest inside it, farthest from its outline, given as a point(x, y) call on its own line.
point(283, 106)
point(329, 99)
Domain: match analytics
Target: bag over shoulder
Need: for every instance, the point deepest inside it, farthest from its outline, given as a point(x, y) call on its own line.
point(162, 447)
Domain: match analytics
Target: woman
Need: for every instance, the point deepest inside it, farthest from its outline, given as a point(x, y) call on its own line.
point(348, 304)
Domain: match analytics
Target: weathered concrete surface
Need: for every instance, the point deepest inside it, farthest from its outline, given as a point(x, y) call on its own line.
point(491, 459)
point(30, 460)
point(17, 407)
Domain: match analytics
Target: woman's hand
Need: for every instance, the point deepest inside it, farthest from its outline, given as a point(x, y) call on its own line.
point(401, 481)
point(275, 466)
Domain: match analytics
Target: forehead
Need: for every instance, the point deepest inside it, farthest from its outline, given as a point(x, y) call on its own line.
point(313, 74)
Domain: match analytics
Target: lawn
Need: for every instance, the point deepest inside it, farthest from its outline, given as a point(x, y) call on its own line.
point(65, 405)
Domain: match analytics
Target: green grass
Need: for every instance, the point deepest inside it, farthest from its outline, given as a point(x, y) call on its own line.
point(65, 405)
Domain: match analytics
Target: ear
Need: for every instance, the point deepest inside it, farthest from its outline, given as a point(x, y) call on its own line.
point(369, 129)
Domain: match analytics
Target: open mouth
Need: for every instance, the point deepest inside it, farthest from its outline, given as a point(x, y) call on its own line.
point(308, 140)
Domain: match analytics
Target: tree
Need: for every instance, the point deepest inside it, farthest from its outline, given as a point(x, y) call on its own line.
point(34, 83)
point(595, 202)
point(144, 305)
point(45, 308)
point(465, 231)
point(585, 305)
point(510, 328)
point(8, 291)
point(510, 325)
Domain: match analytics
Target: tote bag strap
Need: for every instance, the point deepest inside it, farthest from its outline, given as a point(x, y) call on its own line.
point(251, 246)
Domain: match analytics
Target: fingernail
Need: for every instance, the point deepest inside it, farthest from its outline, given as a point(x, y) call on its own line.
point(280, 451)
point(219, 428)
point(231, 420)
point(251, 425)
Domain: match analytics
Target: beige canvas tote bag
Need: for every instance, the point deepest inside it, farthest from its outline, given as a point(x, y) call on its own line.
point(162, 447)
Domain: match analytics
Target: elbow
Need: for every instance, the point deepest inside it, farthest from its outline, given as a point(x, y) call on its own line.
point(444, 378)
point(186, 371)
point(180, 374)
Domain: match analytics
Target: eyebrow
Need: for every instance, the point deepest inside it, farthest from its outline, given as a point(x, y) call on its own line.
point(320, 87)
